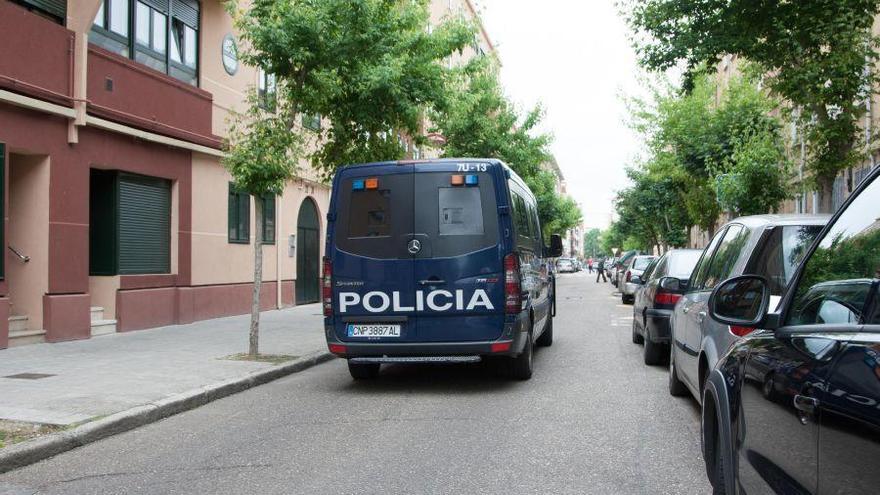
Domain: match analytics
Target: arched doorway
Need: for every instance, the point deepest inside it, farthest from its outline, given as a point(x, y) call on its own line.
point(308, 253)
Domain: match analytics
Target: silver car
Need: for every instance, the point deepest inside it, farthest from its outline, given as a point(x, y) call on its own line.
point(635, 267)
point(771, 246)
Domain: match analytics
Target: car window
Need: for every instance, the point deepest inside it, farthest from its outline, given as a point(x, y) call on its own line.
point(783, 250)
point(729, 250)
point(682, 264)
point(657, 268)
point(705, 259)
point(844, 267)
point(641, 263)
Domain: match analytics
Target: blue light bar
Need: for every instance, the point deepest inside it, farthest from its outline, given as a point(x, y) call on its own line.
point(471, 180)
point(357, 185)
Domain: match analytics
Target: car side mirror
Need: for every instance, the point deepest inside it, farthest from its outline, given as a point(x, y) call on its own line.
point(741, 301)
point(671, 284)
point(637, 280)
point(555, 249)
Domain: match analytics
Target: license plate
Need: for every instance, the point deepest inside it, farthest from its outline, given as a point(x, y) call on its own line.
point(373, 330)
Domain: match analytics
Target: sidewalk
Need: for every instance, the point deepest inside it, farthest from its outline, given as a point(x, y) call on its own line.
point(93, 378)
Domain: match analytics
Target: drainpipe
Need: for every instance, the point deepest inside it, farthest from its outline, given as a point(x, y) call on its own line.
point(278, 247)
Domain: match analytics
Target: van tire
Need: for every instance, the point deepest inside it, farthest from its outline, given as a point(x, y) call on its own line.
point(546, 338)
point(520, 367)
point(363, 371)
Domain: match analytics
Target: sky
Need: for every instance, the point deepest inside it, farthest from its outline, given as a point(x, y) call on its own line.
point(574, 58)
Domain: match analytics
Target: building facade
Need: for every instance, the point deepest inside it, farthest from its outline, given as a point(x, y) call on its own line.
point(117, 213)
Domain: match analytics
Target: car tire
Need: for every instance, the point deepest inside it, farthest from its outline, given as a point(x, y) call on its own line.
point(677, 388)
point(653, 351)
point(363, 371)
point(637, 338)
point(718, 481)
point(520, 367)
point(546, 338)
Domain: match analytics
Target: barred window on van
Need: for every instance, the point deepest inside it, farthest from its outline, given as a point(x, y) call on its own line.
point(461, 211)
point(369, 214)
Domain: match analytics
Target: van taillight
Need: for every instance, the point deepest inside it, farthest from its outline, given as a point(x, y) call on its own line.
point(326, 288)
point(512, 289)
point(741, 331)
point(667, 298)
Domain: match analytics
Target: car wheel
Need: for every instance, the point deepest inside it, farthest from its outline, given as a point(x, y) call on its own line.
point(719, 486)
point(653, 352)
point(546, 338)
point(363, 371)
point(676, 386)
point(637, 338)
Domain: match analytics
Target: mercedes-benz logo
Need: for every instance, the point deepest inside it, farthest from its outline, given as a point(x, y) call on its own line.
point(414, 246)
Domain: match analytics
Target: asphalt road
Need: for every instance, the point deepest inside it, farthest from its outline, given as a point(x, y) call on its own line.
point(593, 419)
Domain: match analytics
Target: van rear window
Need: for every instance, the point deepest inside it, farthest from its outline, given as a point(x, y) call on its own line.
point(369, 214)
point(375, 222)
point(461, 211)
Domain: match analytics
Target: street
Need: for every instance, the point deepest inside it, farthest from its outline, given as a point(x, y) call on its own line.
point(593, 419)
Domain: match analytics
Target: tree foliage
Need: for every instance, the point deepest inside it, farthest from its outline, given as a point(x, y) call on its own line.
point(812, 53)
point(592, 246)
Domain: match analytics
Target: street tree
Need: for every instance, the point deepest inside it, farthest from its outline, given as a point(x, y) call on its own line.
point(370, 68)
point(818, 55)
point(592, 238)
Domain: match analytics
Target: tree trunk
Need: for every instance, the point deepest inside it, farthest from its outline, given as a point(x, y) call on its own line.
point(254, 344)
point(826, 194)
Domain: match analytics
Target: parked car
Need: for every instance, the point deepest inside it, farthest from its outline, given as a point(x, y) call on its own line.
point(662, 286)
point(635, 267)
point(609, 266)
point(793, 407)
point(621, 267)
point(565, 265)
point(455, 276)
point(767, 245)
point(617, 265)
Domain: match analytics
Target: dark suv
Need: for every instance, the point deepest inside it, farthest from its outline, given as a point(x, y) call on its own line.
point(795, 406)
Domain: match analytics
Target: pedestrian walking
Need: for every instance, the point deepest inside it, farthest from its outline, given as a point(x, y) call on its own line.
point(601, 271)
point(590, 265)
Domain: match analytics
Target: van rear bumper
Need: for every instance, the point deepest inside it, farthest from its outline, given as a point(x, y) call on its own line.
point(350, 349)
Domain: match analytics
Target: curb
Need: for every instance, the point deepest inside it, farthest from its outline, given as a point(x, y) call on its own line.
point(38, 449)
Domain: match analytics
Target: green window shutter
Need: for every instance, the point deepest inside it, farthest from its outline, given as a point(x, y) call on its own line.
point(144, 224)
point(269, 219)
point(56, 8)
point(239, 216)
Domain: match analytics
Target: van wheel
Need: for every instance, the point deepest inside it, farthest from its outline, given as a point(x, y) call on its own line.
point(546, 338)
point(363, 371)
point(520, 367)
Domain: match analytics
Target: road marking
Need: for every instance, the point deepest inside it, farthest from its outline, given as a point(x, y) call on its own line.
point(621, 321)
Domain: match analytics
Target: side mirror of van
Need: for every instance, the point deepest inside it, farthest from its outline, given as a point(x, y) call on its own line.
point(555, 249)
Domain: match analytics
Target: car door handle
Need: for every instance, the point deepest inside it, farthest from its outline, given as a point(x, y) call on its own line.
point(701, 316)
point(432, 281)
point(686, 309)
point(805, 404)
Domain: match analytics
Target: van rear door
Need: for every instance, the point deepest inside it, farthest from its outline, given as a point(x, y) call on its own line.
point(458, 268)
point(372, 267)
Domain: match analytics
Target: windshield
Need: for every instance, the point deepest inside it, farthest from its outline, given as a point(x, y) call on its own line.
point(682, 263)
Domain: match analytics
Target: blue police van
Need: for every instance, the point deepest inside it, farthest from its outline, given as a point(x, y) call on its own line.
point(438, 261)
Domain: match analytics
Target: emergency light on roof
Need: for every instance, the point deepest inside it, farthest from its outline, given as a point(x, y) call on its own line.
point(457, 180)
point(372, 183)
point(470, 180)
point(357, 185)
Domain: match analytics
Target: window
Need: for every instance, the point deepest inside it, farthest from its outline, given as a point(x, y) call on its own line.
point(840, 275)
point(729, 250)
point(266, 90)
point(520, 216)
point(703, 265)
point(129, 223)
point(239, 216)
point(782, 252)
point(312, 122)
point(165, 34)
point(461, 211)
point(269, 219)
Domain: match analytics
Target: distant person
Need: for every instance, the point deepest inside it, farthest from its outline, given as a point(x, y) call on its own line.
point(590, 265)
point(601, 271)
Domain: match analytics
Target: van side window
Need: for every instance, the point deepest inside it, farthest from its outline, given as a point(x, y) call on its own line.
point(534, 227)
point(520, 215)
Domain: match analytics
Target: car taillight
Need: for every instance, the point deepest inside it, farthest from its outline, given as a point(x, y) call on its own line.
point(666, 298)
point(629, 275)
point(741, 331)
point(512, 289)
point(327, 288)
